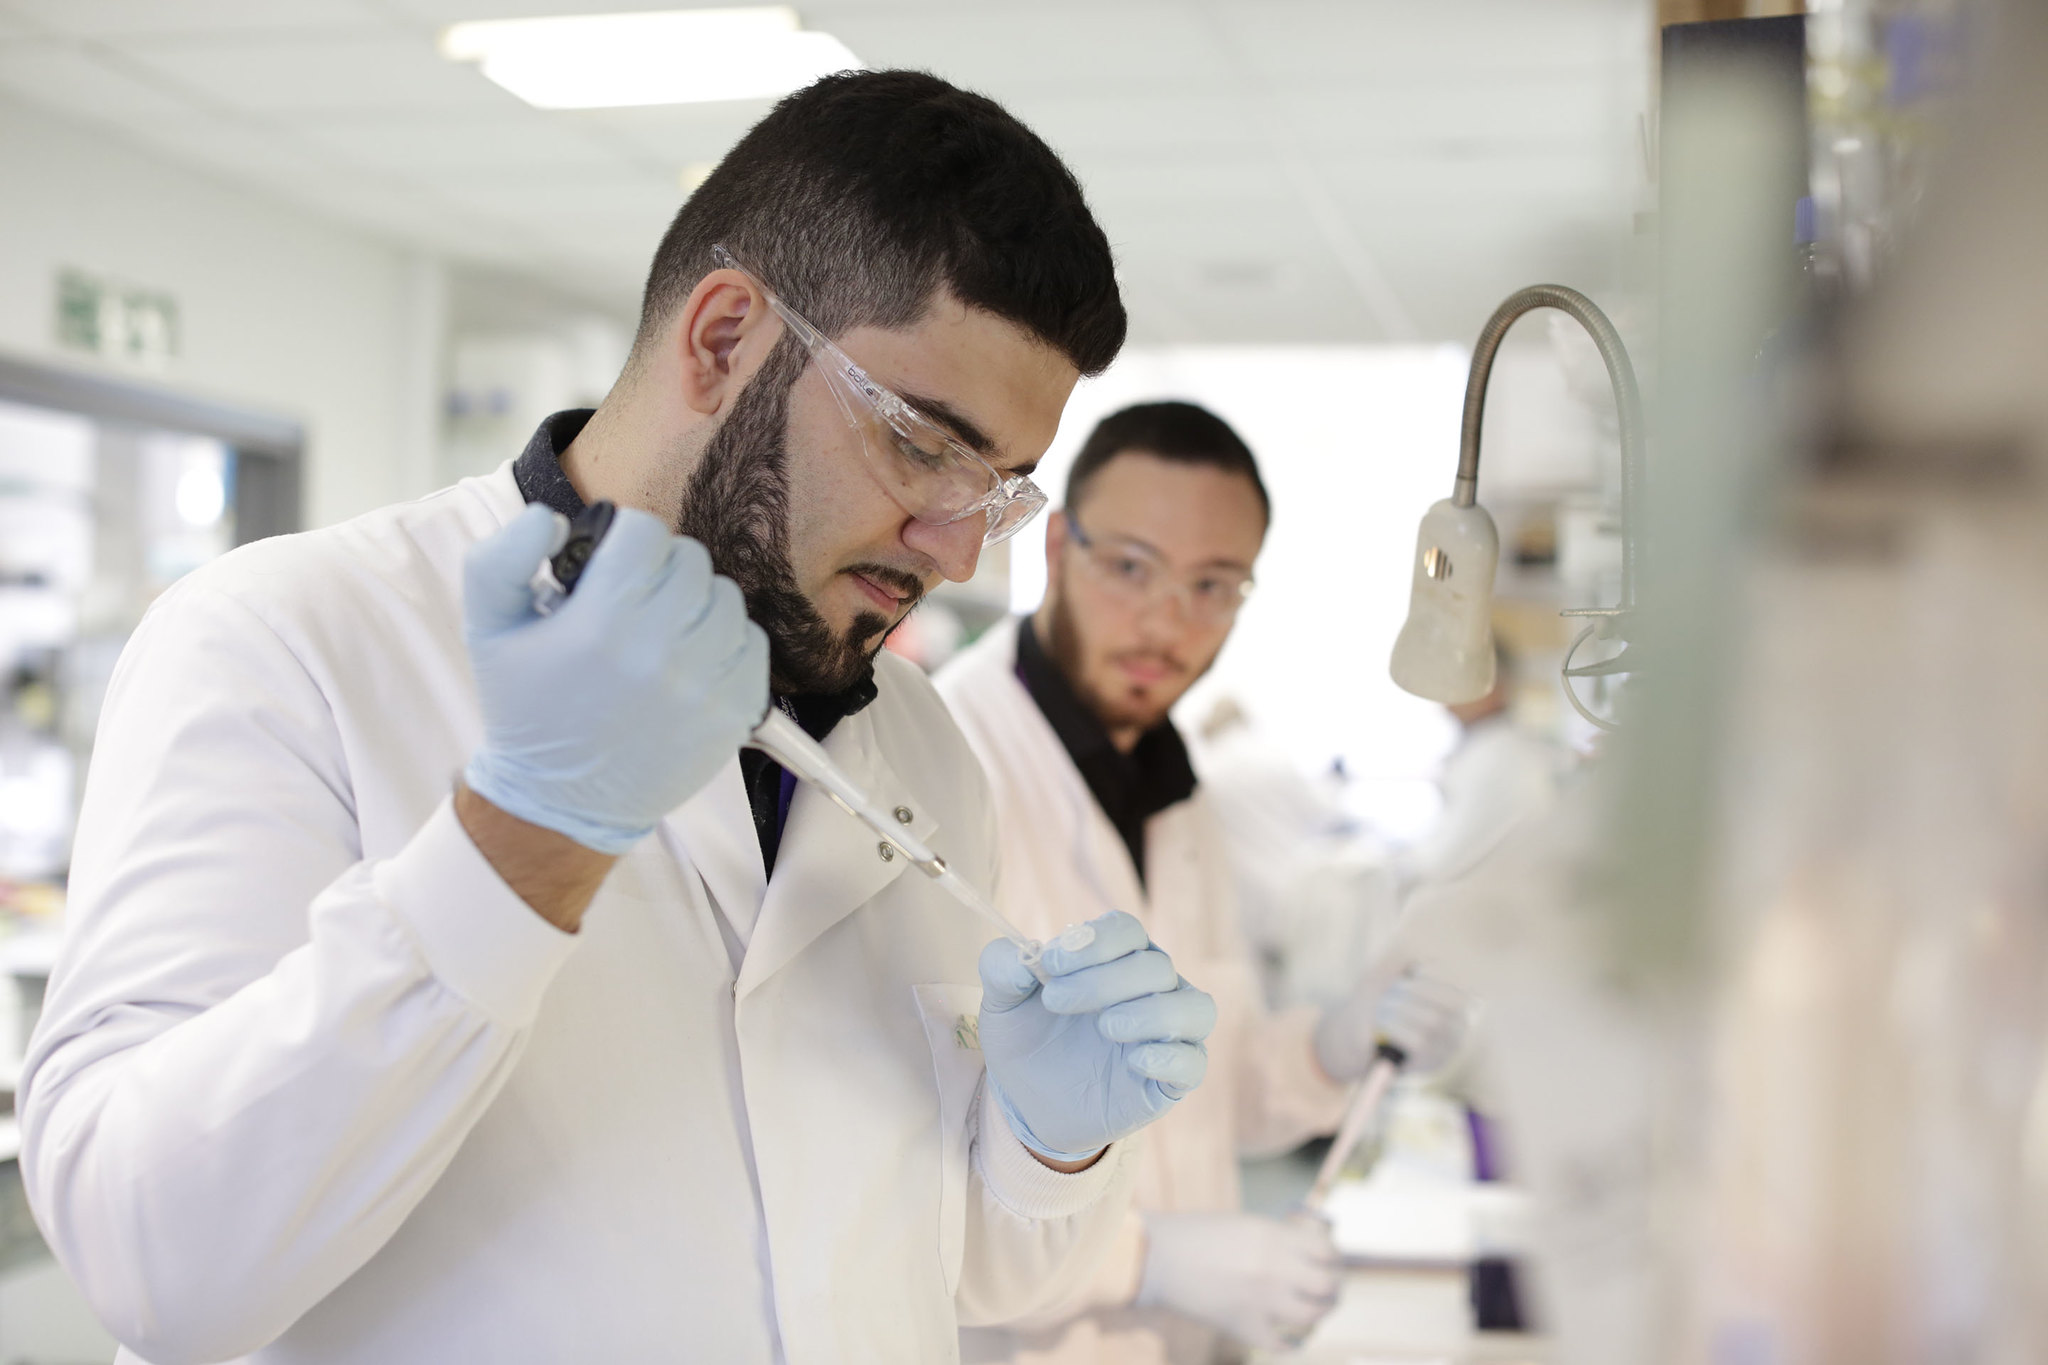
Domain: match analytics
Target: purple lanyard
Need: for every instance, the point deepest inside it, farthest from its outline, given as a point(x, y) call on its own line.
point(782, 800)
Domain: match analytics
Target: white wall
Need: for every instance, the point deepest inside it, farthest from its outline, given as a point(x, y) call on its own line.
point(280, 311)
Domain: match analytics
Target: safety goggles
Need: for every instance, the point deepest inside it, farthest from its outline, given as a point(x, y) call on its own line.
point(929, 474)
point(1135, 575)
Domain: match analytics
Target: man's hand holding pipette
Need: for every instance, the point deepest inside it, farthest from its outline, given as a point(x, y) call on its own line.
point(1393, 1006)
point(606, 714)
point(1109, 1041)
point(1397, 1019)
point(602, 713)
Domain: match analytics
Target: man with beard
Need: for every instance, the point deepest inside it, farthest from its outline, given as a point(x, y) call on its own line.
point(617, 1046)
point(1146, 567)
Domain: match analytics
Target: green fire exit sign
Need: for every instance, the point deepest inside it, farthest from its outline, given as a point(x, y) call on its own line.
point(115, 320)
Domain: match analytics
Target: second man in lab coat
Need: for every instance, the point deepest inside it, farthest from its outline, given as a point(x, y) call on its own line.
point(1098, 808)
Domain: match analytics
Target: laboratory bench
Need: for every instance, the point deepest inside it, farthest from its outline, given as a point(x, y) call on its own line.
point(1409, 1231)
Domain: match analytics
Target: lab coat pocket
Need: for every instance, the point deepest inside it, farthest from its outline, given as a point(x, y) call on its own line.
point(951, 1016)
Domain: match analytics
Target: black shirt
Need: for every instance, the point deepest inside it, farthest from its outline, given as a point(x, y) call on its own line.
point(538, 472)
point(1130, 787)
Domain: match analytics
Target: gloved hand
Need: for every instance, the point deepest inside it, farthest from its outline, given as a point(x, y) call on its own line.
point(608, 714)
point(1265, 1281)
point(1424, 1017)
point(1109, 1043)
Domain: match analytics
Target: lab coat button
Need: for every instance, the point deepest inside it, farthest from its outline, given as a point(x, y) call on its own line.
point(903, 815)
point(888, 852)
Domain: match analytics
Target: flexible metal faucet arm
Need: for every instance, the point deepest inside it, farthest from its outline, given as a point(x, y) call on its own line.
point(1620, 373)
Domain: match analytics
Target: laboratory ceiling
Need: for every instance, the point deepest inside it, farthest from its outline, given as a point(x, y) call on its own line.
point(1269, 170)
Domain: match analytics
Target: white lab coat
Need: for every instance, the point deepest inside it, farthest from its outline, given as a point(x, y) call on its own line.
point(1498, 778)
point(313, 1085)
point(1316, 895)
point(1063, 862)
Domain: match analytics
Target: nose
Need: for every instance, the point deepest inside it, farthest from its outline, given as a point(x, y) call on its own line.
point(1166, 617)
point(1170, 605)
point(954, 547)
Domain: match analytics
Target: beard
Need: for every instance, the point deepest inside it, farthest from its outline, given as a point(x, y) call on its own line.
point(737, 504)
point(1063, 644)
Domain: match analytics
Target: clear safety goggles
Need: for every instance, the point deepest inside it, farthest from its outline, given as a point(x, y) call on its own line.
point(1135, 575)
point(929, 474)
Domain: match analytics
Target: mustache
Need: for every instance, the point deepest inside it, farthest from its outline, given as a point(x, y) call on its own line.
point(1152, 656)
point(909, 587)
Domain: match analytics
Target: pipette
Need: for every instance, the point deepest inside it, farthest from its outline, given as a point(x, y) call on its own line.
point(1438, 1048)
point(1358, 1115)
point(783, 740)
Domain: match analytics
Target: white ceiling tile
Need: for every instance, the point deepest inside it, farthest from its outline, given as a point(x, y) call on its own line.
point(59, 75)
point(455, 11)
point(133, 18)
point(1177, 180)
point(1524, 107)
point(1531, 176)
point(419, 218)
point(1349, 40)
point(633, 200)
point(1169, 239)
point(675, 134)
point(242, 149)
point(813, 13)
point(341, 73)
point(1002, 49)
point(511, 140)
point(1083, 121)
point(1471, 145)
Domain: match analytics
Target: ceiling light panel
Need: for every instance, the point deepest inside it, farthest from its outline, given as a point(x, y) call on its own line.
point(613, 61)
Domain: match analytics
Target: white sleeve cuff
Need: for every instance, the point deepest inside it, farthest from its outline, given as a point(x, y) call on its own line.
point(479, 938)
point(1025, 1185)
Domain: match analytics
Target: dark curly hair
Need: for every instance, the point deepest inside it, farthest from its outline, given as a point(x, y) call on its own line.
point(860, 196)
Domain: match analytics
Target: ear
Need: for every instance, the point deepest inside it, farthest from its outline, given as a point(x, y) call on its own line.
point(722, 335)
point(1055, 545)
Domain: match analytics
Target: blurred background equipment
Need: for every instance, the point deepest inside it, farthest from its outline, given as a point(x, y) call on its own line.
point(110, 490)
point(1446, 650)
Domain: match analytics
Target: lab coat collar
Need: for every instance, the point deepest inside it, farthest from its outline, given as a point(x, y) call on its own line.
point(538, 470)
point(830, 863)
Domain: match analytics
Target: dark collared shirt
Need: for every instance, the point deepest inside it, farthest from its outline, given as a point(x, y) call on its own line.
point(1130, 787)
point(538, 472)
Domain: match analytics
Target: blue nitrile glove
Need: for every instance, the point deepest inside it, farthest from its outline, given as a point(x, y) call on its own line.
point(1104, 1047)
point(1396, 1004)
point(608, 714)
